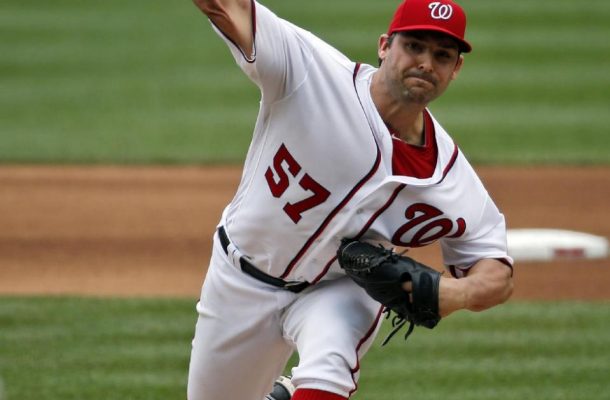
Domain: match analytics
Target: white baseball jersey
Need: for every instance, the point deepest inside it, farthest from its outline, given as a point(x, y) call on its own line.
point(319, 169)
point(312, 157)
point(451, 206)
point(320, 160)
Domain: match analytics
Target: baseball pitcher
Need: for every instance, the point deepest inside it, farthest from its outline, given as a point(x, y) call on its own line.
point(346, 162)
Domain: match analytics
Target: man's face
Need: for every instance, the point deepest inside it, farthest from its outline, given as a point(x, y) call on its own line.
point(418, 66)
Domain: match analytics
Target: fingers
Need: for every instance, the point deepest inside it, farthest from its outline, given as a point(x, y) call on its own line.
point(408, 287)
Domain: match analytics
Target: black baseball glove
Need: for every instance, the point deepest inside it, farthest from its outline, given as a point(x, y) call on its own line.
point(381, 272)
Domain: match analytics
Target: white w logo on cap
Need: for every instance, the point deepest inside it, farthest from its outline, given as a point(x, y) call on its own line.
point(440, 11)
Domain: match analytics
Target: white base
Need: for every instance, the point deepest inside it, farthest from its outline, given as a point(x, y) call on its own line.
point(553, 244)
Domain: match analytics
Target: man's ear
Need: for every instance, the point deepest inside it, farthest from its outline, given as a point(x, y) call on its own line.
point(458, 67)
point(383, 46)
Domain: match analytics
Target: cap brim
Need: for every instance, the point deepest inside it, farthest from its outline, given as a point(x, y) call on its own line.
point(464, 46)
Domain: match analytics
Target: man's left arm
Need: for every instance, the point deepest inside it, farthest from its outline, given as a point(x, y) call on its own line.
point(418, 293)
point(488, 283)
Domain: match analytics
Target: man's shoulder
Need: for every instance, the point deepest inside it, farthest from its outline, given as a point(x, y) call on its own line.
point(320, 49)
point(326, 52)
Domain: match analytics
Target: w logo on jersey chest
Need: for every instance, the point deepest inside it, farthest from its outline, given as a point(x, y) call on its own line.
point(425, 225)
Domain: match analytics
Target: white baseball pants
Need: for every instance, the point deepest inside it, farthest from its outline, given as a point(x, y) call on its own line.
point(247, 331)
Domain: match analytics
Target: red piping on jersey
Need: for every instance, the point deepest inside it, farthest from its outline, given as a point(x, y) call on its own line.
point(362, 341)
point(365, 227)
point(453, 269)
point(324, 271)
point(451, 162)
point(385, 207)
point(508, 264)
point(381, 210)
point(505, 262)
point(355, 74)
point(346, 200)
point(332, 215)
point(253, 8)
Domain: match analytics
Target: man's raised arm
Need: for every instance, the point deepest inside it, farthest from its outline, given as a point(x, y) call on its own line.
point(233, 18)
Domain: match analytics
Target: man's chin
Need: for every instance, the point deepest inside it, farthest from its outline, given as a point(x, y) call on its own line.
point(418, 96)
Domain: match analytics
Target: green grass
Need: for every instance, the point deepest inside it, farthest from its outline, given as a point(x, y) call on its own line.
point(548, 351)
point(147, 81)
point(106, 349)
point(71, 348)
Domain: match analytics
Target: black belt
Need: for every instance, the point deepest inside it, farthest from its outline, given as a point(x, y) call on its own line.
point(256, 273)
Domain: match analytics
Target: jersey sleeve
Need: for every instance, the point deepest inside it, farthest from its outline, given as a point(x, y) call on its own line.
point(280, 57)
point(485, 240)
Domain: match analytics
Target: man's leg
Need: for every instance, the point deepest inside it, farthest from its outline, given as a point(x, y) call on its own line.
point(332, 325)
point(313, 394)
point(238, 349)
point(284, 390)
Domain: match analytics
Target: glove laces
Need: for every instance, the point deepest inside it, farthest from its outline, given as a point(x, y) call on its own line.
point(397, 323)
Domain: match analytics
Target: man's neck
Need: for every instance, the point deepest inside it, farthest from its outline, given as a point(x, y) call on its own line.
point(405, 120)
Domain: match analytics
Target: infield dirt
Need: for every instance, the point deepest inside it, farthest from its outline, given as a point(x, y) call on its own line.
point(146, 231)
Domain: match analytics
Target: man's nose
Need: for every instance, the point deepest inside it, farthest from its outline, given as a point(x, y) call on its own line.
point(424, 61)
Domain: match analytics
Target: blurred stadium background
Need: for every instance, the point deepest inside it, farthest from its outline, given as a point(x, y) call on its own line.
point(144, 83)
point(136, 82)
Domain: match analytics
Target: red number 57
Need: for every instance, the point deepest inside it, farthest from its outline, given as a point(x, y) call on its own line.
point(278, 181)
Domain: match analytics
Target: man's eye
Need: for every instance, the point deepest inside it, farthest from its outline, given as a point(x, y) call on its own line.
point(444, 56)
point(414, 46)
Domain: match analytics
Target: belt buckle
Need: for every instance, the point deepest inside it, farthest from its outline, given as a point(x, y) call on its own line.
point(295, 286)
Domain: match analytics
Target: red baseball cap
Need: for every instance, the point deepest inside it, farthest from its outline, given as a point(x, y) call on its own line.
point(431, 15)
